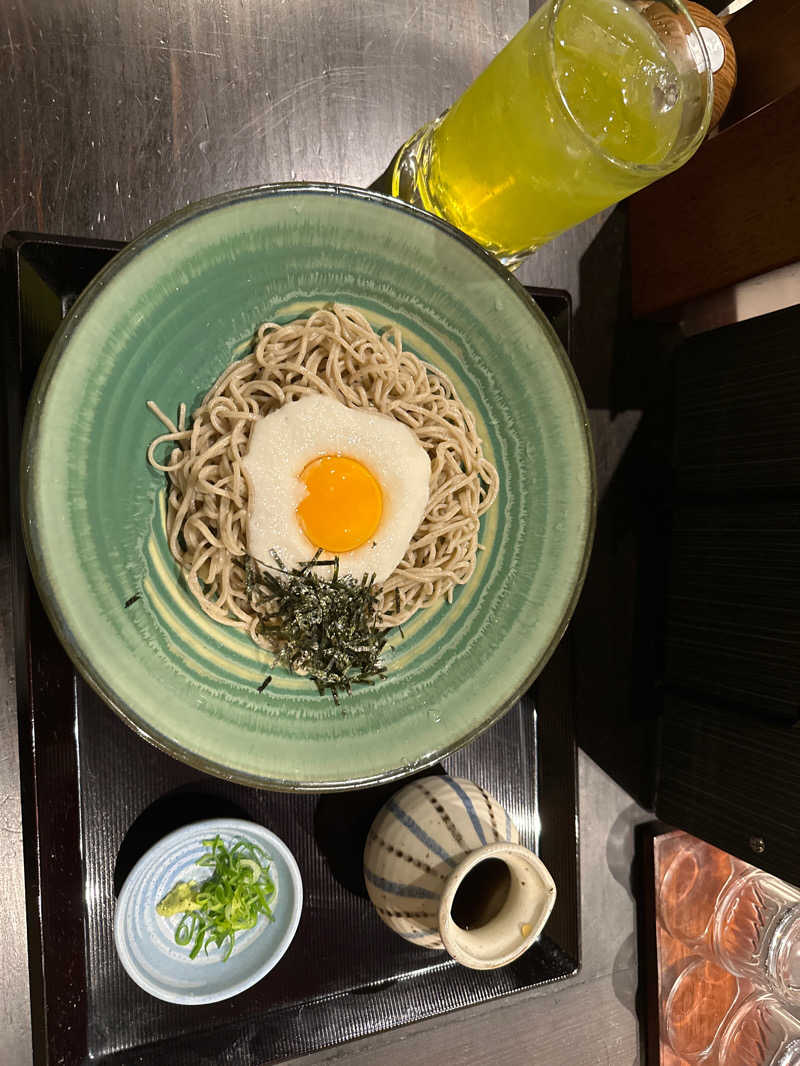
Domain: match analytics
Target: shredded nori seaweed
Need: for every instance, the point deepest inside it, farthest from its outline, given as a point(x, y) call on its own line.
point(323, 627)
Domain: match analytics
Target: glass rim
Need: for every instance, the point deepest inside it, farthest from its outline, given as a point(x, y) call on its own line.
point(673, 161)
point(779, 955)
point(691, 849)
point(684, 969)
point(732, 1023)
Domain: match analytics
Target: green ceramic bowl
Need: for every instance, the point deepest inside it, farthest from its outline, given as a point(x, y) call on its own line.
point(160, 322)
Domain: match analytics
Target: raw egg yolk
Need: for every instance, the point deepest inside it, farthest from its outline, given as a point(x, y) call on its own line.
point(343, 506)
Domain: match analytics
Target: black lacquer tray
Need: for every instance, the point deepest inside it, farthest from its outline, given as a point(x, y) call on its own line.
point(95, 797)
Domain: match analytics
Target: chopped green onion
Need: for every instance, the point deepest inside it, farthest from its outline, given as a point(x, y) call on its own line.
point(233, 898)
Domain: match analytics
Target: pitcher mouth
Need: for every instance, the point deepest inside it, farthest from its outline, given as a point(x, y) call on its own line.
point(515, 920)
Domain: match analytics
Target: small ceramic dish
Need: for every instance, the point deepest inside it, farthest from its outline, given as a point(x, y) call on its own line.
point(145, 941)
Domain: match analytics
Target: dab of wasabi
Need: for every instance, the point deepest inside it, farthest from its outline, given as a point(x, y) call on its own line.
point(183, 897)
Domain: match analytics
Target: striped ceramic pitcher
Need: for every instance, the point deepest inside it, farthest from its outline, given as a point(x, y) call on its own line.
point(444, 868)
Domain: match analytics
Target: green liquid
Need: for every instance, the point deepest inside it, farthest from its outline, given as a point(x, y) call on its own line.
point(512, 167)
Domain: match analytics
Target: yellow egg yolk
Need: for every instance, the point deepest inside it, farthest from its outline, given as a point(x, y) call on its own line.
point(343, 505)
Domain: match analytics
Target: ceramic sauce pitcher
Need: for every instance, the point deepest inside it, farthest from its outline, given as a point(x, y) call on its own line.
point(444, 868)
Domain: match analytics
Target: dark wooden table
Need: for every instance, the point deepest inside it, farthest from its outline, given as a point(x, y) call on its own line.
point(113, 115)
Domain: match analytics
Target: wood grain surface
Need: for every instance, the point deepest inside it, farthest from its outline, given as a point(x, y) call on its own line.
point(114, 114)
point(729, 214)
point(766, 37)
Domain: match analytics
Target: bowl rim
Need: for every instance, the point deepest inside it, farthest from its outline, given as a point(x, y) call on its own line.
point(243, 826)
point(61, 339)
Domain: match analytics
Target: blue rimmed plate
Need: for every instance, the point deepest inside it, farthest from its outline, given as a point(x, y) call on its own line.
point(145, 941)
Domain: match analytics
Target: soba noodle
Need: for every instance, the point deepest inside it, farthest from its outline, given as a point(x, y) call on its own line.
point(336, 352)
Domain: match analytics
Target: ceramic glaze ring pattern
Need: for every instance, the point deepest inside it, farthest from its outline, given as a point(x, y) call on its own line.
point(161, 322)
point(433, 838)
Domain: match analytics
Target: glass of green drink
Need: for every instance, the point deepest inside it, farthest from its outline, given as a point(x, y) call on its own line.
point(592, 100)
